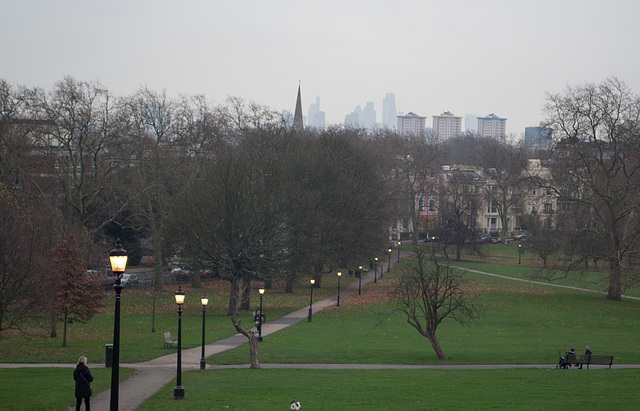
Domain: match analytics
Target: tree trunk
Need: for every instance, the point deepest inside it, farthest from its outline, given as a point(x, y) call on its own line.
point(64, 332)
point(234, 296)
point(289, 286)
point(615, 291)
point(195, 279)
point(252, 335)
point(53, 333)
point(436, 346)
point(245, 303)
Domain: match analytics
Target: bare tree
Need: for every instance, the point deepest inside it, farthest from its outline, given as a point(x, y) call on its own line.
point(459, 202)
point(413, 158)
point(504, 166)
point(597, 173)
point(428, 293)
point(21, 263)
point(252, 336)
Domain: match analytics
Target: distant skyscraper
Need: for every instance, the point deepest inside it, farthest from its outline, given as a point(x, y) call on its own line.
point(316, 117)
point(446, 126)
point(537, 137)
point(492, 126)
point(354, 120)
point(411, 124)
point(298, 123)
point(389, 112)
point(369, 116)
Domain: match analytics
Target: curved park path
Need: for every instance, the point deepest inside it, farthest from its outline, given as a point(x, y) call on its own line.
point(150, 376)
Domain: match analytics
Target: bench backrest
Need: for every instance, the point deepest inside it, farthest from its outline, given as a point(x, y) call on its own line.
point(589, 359)
point(167, 336)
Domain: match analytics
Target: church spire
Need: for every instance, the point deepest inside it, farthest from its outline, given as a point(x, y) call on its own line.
point(297, 116)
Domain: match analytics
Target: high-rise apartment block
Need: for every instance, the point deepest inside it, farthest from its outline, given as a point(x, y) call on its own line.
point(446, 126)
point(492, 126)
point(389, 111)
point(411, 124)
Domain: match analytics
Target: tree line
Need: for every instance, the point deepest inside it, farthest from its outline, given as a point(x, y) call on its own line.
point(234, 187)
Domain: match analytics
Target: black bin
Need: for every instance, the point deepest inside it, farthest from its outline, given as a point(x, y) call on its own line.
point(108, 360)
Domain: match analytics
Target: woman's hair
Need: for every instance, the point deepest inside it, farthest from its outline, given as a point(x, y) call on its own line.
point(82, 360)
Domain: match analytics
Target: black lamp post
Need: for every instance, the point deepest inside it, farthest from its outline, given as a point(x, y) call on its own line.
point(519, 253)
point(433, 246)
point(359, 279)
point(399, 249)
point(312, 281)
point(118, 258)
point(389, 266)
point(339, 275)
point(261, 291)
point(375, 270)
point(178, 390)
point(204, 300)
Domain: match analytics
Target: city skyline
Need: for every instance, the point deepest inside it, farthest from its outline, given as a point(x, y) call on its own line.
point(462, 56)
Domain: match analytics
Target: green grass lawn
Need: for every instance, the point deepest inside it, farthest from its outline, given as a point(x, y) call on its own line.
point(522, 324)
point(48, 388)
point(526, 389)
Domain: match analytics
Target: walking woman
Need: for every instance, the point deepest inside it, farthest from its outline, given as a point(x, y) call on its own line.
point(83, 377)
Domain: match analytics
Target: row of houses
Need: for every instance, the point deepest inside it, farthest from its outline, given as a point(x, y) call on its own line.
point(491, 207)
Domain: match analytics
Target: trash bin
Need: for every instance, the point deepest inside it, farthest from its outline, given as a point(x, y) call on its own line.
point(108, 361)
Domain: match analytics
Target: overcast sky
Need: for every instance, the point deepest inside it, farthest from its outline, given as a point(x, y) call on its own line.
point(463, 56)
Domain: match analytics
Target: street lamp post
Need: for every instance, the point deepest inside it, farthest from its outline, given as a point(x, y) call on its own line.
point(178, 390)
point(433, 246)
point(399, 249)
point(339, 275)
point(118, 258)
point(389, 266)
point(359, 279)
point(204, 300)
point(519, 253)
point(312, 281)
point(375, 270)
point(261, 291)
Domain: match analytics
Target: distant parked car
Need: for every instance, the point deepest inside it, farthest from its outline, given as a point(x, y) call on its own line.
point(484, 238)
point(129, 280)
point(496, 240)
point(181, 274)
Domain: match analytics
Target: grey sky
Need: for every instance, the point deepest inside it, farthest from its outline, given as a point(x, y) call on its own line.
point(464, 56)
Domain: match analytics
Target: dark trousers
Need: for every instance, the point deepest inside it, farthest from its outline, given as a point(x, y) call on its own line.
point(87, 403)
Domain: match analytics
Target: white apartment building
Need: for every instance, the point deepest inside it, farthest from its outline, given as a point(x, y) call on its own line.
point(446, 126)
point(411, 124)
point(492, 126)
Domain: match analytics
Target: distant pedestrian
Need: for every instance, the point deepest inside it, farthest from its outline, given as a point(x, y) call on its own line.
point(83, 379)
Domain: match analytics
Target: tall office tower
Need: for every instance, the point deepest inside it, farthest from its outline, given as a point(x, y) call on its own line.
point(411, 124)
point(369, 116)
point(471, 122)
point(492, 126)
point(298, 124)
point(537, 137)
point(354, 120)
point(446, 126)
point(389, 112)
point(315, 119)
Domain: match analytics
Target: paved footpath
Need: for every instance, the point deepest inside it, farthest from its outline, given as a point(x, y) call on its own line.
point(151, 376)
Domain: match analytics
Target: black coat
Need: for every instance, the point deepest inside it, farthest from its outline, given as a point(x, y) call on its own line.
point(83, 377)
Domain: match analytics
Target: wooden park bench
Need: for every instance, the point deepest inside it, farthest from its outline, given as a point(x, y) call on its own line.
point(169, 342)
point(588, 359)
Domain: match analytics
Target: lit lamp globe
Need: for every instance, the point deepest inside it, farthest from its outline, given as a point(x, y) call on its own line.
point(118, 258)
